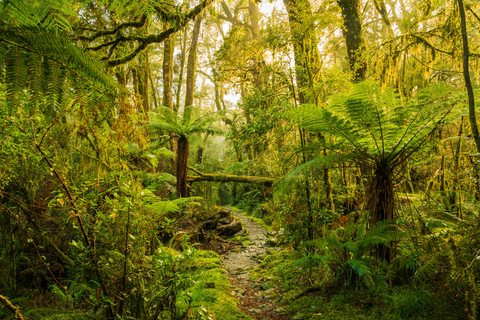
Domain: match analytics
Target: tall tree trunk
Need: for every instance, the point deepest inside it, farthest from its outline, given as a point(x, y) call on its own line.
point(183, 49)
point(167, 67)
point(307, 66)
point(307, 58)
point(143, 72)
point(466, 75)
point(154, 90)
point(168, 71)
point(254, 14)
point(182, 165)
point(192, 63)
point(353, 32)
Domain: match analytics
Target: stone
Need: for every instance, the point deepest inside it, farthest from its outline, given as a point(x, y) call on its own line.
point(282, 311)
point(254, 311)
point(299, 316)
point(271, 242)
point(239, 233)
point(266, 307)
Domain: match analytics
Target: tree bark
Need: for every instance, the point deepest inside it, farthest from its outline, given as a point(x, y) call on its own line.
point(192, 61)
point(168, 71)
point(307, 58)
point(466, 75)
point(182, 165)
point(307, 69)
point(353, 32)
point(143, 72)
point(154, 90)
point(257, 60)
point(183, 49)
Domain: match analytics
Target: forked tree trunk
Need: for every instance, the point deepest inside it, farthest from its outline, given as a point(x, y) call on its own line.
point(182, 165)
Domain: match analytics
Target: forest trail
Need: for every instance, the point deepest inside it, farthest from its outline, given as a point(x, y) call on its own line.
point(253, 300)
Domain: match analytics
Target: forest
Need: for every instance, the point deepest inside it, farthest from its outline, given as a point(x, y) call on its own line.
point(239, 159)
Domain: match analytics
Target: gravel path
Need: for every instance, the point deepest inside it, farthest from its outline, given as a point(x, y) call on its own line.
point(252, 299)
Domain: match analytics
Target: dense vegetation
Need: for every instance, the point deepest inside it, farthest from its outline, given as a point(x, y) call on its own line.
point(349, 124)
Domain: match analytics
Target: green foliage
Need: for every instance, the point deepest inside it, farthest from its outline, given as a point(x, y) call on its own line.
point(166, 121)
point(49, 14)
point(411, 304)
point(378, 124)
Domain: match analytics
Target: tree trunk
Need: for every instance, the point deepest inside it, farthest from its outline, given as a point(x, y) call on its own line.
point(353, 32)
point(220, 177)
point(307, 58)
point(254, 14)
point(381, 202)
point(182, 165)
point(154, 90)
point(168, 71)
point(192, 62)
point(143, 72)
point(183, 49)
point(466, 75)
point(307, 67)
point(380, 194)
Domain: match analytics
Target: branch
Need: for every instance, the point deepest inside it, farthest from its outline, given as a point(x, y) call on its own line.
point(158, 38)
point(11, 307)
point(135, 24)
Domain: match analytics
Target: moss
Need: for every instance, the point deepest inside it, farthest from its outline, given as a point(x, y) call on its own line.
point(251, 218)
point(210, 296)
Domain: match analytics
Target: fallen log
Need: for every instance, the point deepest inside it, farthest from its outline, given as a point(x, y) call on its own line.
point(220, 177)
point(230, 229)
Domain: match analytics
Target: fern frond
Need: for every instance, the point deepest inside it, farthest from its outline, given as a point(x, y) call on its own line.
point(327, 161)
point(59, 50)
point(162, 207)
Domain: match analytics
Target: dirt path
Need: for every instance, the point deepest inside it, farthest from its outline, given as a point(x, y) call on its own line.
point(252, 299)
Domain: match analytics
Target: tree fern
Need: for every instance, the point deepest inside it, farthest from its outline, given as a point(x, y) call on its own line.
point(381, 129)
point(166, 122)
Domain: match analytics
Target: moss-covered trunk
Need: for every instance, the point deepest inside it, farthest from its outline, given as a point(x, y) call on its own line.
point(354, 38)
point(182, 165)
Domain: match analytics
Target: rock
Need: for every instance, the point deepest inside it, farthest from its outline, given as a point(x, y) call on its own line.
point(239, 233)
point(254, 311)
point(271, 242)
point(266, 307)
point(269, 292)
point(299, 316)
point(209, 285)
point(282, 311)
point(240, 291)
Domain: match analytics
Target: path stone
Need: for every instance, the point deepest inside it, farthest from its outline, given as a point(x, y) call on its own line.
point(260, 305)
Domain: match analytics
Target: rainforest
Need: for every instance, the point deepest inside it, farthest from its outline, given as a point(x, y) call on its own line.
point(239, 159)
